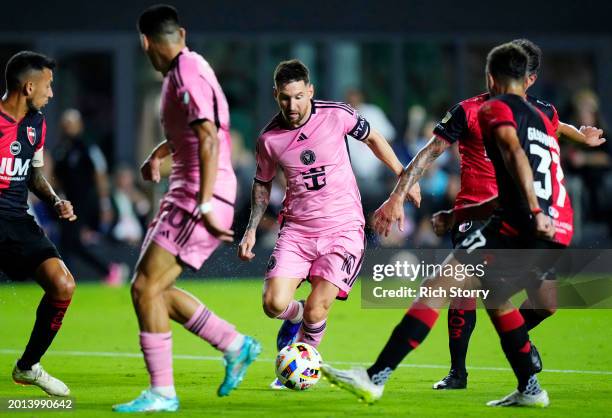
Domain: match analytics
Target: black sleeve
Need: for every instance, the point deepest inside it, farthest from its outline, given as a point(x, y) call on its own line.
point(453, 125)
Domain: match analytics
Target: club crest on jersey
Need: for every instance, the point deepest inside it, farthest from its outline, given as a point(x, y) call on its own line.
point(308, 157)
point(31, 132)
point(15, 148)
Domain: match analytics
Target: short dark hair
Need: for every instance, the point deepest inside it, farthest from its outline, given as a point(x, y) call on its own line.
point(21, 63)
point(507, 62)
point(533, 51)
point(289, 71)
point(161, 19)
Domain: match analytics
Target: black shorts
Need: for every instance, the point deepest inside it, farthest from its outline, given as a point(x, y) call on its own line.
point(463, 230)
point(23, 247)
point(521, 260)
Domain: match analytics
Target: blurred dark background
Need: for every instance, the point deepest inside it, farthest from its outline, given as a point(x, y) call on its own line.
point(404, 63)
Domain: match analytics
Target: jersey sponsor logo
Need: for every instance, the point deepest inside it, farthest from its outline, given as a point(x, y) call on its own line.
point(308, 157)
point(302, 137)
point(15, 147)
point(31, 132)
point(314, 179)
point(15, 168)
point(271, 263)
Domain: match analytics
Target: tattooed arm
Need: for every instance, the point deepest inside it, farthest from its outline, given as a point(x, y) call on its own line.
point(260, 197)
point(419, 164)
point(392, 210)
point(39, 185)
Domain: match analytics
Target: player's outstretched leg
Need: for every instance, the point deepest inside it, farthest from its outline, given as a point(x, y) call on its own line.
point(279, 303)
point(407, 335)
point(155, 273)
point(58, 283)
point(239, 350)
point(461, 323)
point(514, 338)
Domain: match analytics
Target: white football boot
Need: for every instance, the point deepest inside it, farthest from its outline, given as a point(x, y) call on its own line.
point(39, 377)
point(517, 398)
point(355, 381)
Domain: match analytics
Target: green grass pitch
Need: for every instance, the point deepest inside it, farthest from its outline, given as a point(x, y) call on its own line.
point(97, 355)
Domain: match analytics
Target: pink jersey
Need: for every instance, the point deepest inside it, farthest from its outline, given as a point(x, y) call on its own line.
point(191, 92)
point(322, 196)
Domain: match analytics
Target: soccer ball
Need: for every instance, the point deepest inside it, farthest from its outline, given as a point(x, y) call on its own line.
point(298, 366)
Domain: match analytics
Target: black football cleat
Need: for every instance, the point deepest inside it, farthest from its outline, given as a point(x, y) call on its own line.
point(536, 360)
point(453, 380)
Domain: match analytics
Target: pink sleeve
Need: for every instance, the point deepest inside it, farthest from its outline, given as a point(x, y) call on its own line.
point(492, 114)
point(354, 124)
point(196, 95)
point(266, 165)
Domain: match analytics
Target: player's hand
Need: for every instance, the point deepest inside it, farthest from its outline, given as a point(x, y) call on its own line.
point(150, 170)
point(246, 245)
point(211, 225)
point(592, 136)
point(443, 221)
point(65, 210)
point(414, 195)
point(392, 210)
point(544, 226)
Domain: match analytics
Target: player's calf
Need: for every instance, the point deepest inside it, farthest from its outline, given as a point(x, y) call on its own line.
point(59, 286)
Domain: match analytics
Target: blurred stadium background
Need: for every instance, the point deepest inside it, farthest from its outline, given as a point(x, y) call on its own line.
point(401, 63)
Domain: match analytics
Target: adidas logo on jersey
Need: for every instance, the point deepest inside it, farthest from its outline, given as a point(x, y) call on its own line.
point(302, 137)
point(14, 166)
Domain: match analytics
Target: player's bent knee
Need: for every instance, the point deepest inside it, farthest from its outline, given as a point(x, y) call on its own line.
point(273, 307)
point(63, 286)
point(143, 289)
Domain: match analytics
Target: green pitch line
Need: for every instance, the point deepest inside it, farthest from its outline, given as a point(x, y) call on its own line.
point(575, 343)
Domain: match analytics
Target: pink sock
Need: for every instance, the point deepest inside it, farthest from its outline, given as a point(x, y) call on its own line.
point(157, 350)
point(208, 326)
point(312, 333)
point(293, 312)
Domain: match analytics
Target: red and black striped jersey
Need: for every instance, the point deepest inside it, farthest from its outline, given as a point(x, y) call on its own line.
point(537, 137)
point(460, 124)
point(21, 147)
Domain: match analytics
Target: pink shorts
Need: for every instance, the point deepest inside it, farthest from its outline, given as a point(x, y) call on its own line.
point(336, 257)
point(181, 232)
